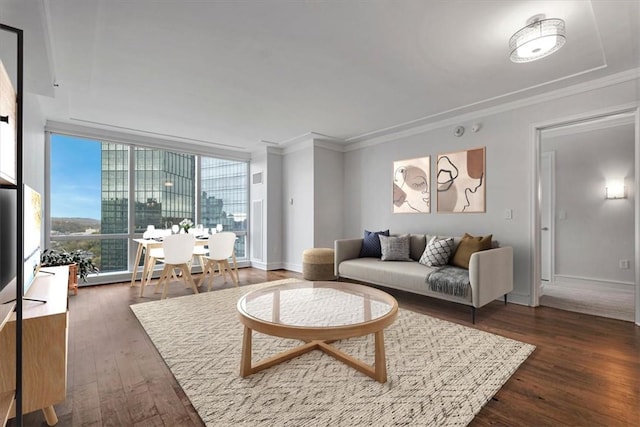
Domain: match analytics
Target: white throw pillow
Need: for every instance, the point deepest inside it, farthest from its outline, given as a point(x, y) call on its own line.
point(437, 252)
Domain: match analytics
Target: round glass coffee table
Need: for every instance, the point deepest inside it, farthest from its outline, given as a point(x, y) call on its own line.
point(317, 313)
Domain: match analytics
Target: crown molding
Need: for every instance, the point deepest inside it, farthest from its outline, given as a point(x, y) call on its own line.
point(307, 136)
point(329, 145)
point(198, 147)
point(415, 128)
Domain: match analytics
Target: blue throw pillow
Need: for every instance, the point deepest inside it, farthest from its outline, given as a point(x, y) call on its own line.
point(371, 244)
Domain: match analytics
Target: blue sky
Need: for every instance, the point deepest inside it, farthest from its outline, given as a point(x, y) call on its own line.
point(75, 177)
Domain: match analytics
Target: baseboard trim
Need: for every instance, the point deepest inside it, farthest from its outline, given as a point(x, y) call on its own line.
point(267, 266)
point(590, 282)
point(292, 267)
point(519, 299)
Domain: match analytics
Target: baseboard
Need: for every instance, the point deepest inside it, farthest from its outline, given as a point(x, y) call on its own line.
point(267, 266)
point(590, 282)
point(292, 267)
point(519, 299)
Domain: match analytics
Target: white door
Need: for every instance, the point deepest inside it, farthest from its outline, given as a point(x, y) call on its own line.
point(547, 207)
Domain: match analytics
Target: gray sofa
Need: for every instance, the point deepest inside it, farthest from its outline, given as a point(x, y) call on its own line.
point(490, 271)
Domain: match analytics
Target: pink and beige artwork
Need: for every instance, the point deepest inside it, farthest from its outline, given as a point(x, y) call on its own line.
point(411, 185)
point(461, 181)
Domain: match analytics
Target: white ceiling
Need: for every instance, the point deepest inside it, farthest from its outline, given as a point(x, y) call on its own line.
point(235, 73)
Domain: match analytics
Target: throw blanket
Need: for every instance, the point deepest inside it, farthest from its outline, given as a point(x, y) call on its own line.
point(449, 280)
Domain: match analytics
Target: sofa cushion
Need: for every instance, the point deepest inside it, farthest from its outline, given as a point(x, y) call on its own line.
point(417, 245)
point(404, 275)
point(371, 244)
point(437, 252)
point(468, 245)
point(395, 248)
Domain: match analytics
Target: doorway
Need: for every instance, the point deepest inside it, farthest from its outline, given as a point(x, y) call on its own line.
point(578, 258)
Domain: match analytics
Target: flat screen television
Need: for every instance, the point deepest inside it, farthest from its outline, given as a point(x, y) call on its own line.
point(8, 236)
point(32, 235)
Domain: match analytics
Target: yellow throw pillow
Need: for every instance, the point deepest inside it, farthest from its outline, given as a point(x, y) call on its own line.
point(468, 245)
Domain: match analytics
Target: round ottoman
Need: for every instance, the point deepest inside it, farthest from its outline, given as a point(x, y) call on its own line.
point(317, 264)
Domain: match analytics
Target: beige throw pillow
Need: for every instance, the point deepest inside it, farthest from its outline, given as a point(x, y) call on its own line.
point(468, 245)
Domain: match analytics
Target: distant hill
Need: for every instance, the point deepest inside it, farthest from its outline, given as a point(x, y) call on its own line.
point(73, 225)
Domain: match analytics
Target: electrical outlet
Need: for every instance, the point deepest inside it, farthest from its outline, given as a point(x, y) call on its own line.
point(624, 264)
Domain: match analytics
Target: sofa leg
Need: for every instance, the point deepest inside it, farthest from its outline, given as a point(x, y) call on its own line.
point(505, 299)
point(473, 315)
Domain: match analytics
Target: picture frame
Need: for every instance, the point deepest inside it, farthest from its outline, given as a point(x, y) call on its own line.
point(461, 181)
point(412, 185)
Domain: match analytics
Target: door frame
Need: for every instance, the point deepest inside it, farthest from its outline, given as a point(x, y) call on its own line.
point(535, 132)
point(552, 217)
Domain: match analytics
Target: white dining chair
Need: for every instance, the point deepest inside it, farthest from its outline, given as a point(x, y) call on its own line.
point(220, 250)
point(178, 251)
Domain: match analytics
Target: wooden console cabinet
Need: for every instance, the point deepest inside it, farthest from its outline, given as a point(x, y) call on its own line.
point(44, 341)
point(6, 397)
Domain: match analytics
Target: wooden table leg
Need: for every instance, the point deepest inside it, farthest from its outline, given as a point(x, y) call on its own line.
point(145, 271)
point(135, 265)
point(50, 415)
point(380, 358)
point(245, 358)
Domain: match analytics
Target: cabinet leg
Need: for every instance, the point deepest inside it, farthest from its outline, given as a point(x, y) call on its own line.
point(50, 415)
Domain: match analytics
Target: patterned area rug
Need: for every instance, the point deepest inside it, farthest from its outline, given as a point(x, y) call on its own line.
point(439, 373)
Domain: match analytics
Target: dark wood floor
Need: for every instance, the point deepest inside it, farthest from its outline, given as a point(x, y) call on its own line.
point(585, 370)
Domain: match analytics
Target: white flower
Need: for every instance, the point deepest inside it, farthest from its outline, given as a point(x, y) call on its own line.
point(186, 224)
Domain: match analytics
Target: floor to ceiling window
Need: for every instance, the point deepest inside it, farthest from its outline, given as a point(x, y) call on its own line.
point(93, 182)
point(223, 201)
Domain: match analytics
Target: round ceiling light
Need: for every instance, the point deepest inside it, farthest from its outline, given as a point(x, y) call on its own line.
point(541, 37)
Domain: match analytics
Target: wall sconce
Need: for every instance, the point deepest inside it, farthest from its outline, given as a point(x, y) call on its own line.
point(615, 189)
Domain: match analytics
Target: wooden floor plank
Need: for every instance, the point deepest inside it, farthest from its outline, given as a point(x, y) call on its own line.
point(584, 371)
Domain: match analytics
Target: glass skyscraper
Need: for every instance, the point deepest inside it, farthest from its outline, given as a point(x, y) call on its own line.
point(164, 194)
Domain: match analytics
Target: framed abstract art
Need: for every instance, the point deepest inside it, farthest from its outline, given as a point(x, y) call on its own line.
point(411, 185)
point(461, 181)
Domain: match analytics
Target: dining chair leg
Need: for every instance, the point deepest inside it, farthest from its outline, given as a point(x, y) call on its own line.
point(222, 270)
point(189, 278)
point(164, 278)
point(234, 277)
point(205, 270)
point(183, 268)
point(212, 270)
point(152, 263)
point(235, 265)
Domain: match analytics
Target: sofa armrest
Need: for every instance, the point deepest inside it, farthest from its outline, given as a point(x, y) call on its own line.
point(346, 249)
point(490, 274)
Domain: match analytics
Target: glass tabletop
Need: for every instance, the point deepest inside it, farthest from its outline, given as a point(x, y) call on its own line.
point(317, 304)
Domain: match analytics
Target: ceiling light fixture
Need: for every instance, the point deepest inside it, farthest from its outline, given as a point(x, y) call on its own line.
point(541, 37)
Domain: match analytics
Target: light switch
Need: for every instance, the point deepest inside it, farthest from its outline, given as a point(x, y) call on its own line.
point(508, 214)
point(562, 214)
point(291, 201)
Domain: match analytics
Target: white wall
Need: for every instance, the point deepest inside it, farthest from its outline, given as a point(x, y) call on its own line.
point(269, 192)
point(275, 221)
point(507, 138)
point(33, 140)
point(592, 233)
point(298, 204)
point(33, 143)
point(328, 180)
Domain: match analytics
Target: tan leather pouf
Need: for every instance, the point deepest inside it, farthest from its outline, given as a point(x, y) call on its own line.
point(317, 264)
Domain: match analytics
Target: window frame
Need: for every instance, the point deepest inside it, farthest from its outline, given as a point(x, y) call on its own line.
point(132, 142)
